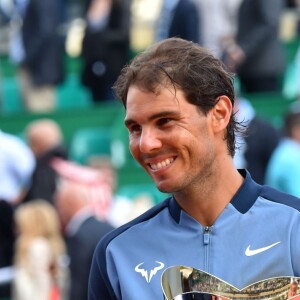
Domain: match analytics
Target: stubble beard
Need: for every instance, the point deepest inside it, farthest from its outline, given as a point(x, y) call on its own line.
point(202, 181)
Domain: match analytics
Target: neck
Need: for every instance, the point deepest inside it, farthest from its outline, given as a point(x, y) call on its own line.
point(206, 200)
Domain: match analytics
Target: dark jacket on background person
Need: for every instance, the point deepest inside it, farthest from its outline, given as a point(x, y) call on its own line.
point(105, 51)
point(185, 22)
point(81, 246)
point(258, 36)
point(261, 140)
point(44, 178)
point(7, 240)
point(44, 47)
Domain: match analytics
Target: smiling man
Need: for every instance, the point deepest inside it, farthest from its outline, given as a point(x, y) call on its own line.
point(179, 113)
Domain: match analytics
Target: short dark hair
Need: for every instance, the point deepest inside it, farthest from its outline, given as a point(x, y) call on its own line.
point(186, 66)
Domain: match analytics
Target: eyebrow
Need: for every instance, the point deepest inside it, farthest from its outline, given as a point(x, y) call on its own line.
point(161, 114)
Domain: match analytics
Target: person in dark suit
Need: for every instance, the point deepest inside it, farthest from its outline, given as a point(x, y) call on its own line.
point(257, 54)
point(42, 68)
point(179, 18)
point(105, 46)
point(82, 231)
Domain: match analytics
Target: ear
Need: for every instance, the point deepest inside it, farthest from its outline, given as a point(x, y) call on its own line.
point(221, 114)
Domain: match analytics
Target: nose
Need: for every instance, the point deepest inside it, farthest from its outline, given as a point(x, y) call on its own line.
point(149, 141)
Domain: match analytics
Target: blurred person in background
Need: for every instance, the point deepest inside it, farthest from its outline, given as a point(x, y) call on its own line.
point(7, 239)
point(297, 64)
point(40, 255)
point(1, 92)
point(105, 45)
point(82, 231)
point(42, 67)
point(45, 138)
point(256, 53)
point(283, 171)
point(218, 23)
point(119, 206)
point(255, 147)
point(17, 163)
point(16, 167)
point(16, 17)
point(178, 18)
point(122, 208)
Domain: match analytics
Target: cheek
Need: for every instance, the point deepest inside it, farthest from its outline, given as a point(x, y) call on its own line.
point(133, 147)
point(201, 143)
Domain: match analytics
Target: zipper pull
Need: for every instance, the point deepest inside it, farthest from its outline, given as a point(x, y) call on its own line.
point(206, 236)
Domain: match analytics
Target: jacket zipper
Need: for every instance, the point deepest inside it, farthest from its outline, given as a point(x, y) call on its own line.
point(206, 242)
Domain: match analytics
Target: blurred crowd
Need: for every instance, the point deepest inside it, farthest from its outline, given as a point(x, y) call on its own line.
point(105, 34)
point(53, 211)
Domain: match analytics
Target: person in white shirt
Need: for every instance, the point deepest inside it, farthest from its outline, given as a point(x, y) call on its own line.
point(16, 166)
point(218, 23)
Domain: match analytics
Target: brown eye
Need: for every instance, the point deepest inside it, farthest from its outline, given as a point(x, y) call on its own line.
point(134, 128)
point(163, 121)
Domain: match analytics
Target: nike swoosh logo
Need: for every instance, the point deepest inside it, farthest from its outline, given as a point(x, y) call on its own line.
point(250, 252)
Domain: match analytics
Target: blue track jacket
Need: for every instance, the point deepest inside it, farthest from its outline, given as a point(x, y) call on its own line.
point(256, 237)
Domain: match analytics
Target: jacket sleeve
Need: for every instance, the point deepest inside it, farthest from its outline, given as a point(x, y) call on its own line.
point(295, 246)
point(99, 284)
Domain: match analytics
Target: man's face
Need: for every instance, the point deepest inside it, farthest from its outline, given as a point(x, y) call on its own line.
point(169, 137)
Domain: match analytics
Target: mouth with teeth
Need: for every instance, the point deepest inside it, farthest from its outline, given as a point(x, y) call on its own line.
point(162, 164)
